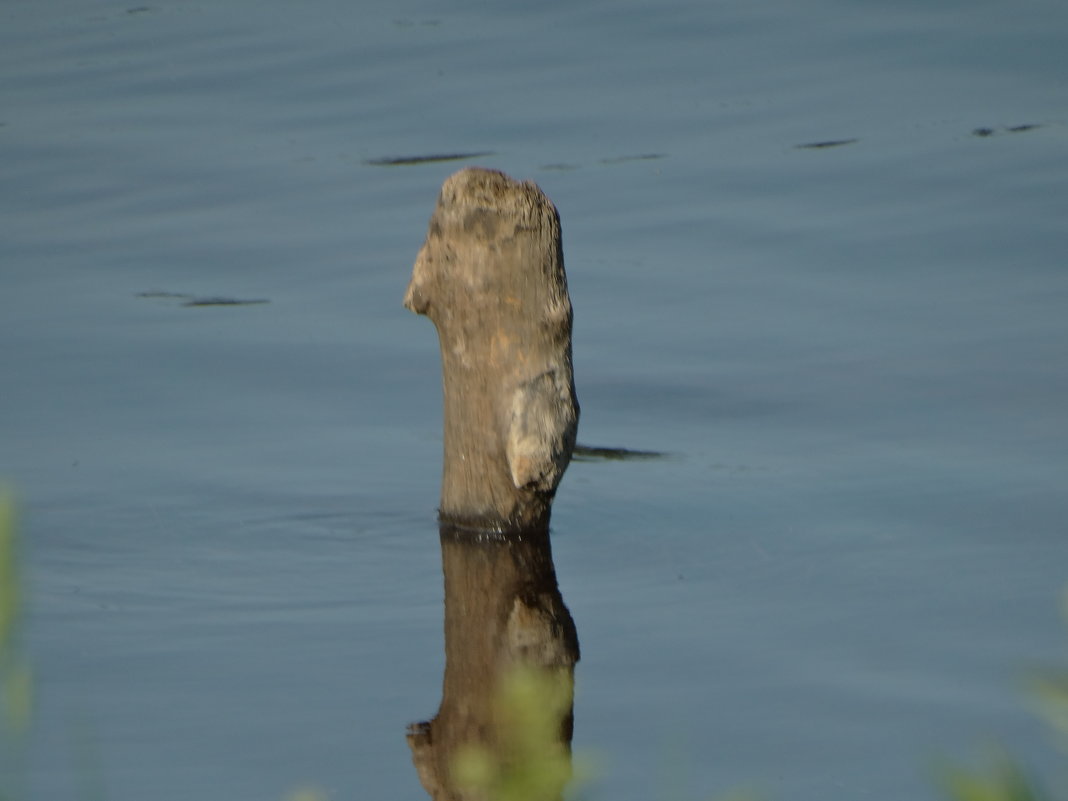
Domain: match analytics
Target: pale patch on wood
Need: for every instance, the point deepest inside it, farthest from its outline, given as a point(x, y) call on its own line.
point(541, 432)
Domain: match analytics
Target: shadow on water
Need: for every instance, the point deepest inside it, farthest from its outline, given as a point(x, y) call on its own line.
point(430, 158)
point(197, 300)
point(593, 453)
point(503, 613)
point(826, 143)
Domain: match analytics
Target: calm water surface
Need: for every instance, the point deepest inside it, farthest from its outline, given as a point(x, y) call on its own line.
point(854, 355)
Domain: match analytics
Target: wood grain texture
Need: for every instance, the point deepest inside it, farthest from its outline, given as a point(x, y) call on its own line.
point(490, 276)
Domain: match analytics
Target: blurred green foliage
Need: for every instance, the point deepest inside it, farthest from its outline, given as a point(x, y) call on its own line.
point(1052, 693)
point(15, 678)
point(307, 794)
point(1001, 777)
point(533, 764)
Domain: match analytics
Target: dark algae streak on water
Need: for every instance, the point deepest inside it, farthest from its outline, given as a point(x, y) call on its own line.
point(826, 144)
point(196, 300)
point(589, 453)
point(402, 161)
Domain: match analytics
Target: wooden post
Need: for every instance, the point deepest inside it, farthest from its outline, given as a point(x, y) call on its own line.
point(491, 278)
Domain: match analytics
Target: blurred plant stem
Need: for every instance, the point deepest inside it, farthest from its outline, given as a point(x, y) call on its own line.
point(16, 691)
point(1052, 693)
point(1001, 778)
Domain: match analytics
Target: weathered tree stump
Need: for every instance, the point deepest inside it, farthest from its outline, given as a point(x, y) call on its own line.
point(491, 278)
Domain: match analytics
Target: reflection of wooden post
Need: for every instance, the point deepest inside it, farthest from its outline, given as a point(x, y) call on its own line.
point(491, 277)
point(503, 609)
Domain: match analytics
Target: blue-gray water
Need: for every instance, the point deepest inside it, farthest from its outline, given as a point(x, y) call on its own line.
point(856, 357)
